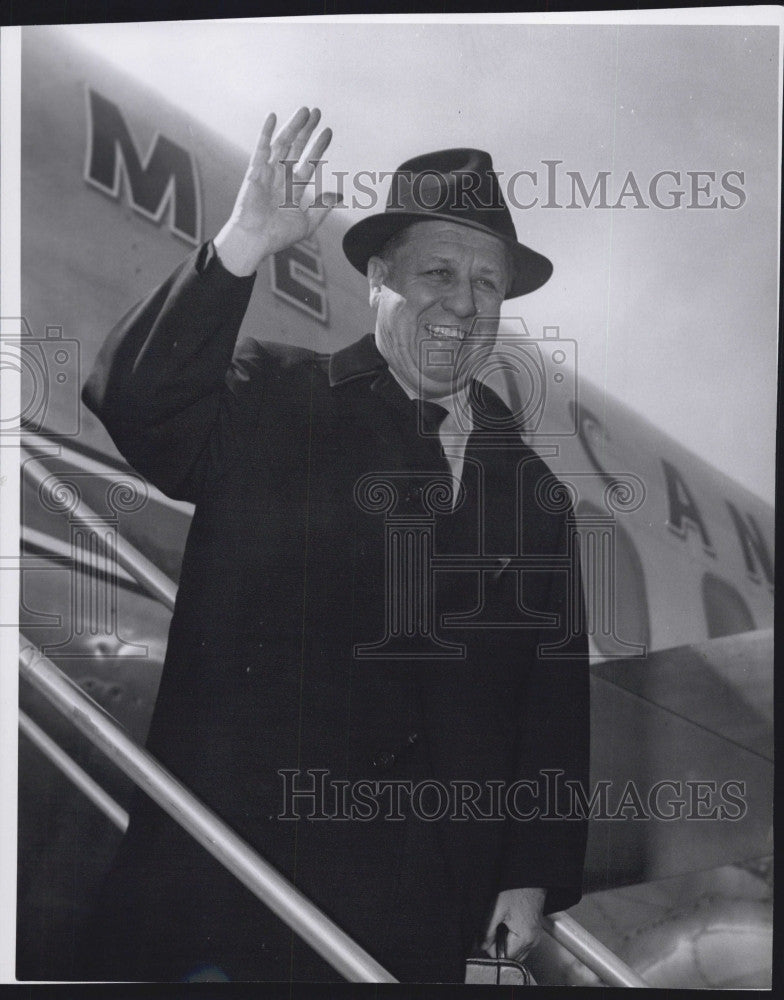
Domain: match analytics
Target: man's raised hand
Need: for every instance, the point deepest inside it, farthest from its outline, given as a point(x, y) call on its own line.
point(268, 214)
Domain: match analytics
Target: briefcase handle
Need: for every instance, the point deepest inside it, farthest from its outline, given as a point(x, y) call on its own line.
point(501, 935)
point(499, 971)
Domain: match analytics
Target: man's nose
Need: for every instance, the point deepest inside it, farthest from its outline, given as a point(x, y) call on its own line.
point(460, 300)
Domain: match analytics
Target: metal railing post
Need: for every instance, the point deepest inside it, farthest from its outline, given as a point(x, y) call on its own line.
point(75, 774)
point(276, 892)
point(591, 952)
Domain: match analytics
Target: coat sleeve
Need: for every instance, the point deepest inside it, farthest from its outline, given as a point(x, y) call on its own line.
point(158, 379)
point(548, 850)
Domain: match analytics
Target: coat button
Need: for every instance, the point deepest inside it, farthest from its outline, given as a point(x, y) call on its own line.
point(383, 760)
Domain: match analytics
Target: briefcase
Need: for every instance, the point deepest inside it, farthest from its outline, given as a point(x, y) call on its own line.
point(499, 971)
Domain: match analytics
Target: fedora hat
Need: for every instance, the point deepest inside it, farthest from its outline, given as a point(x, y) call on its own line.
point(454, 185)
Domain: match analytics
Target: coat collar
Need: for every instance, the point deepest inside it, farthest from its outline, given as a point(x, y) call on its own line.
point(363, 358)
point(358, 359)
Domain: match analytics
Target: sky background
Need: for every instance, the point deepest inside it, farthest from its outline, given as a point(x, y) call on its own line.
point(674, 312)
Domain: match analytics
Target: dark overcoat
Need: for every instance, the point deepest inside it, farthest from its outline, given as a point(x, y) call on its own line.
point(286, 653)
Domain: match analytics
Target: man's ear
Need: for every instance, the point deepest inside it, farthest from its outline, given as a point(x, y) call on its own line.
point(377, 270)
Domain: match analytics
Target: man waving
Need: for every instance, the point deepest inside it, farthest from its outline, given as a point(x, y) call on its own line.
point(348, 651)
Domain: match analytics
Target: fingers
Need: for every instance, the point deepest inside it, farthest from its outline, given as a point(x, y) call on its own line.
point(519, 910)
point(307, 169)
point(502, 941)
point(300, 140)
point(518, 946)
point(290, 142)
point(488, 945)
point(281, 147)
point(515, 946)
point(495, 942)
point(498, 916)
point(262, 151)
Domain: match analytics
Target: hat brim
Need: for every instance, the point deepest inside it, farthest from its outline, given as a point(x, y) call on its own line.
point(366, 238)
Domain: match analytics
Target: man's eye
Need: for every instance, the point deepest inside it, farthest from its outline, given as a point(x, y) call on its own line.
point(488, 282)
point(439, 271)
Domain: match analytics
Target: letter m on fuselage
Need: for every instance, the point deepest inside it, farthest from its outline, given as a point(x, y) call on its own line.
point(166, 178)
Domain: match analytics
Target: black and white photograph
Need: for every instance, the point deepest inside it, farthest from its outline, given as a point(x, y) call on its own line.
point(388, 449)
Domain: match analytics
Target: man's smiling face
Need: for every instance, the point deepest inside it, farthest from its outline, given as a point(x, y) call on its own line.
point(441, 282)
